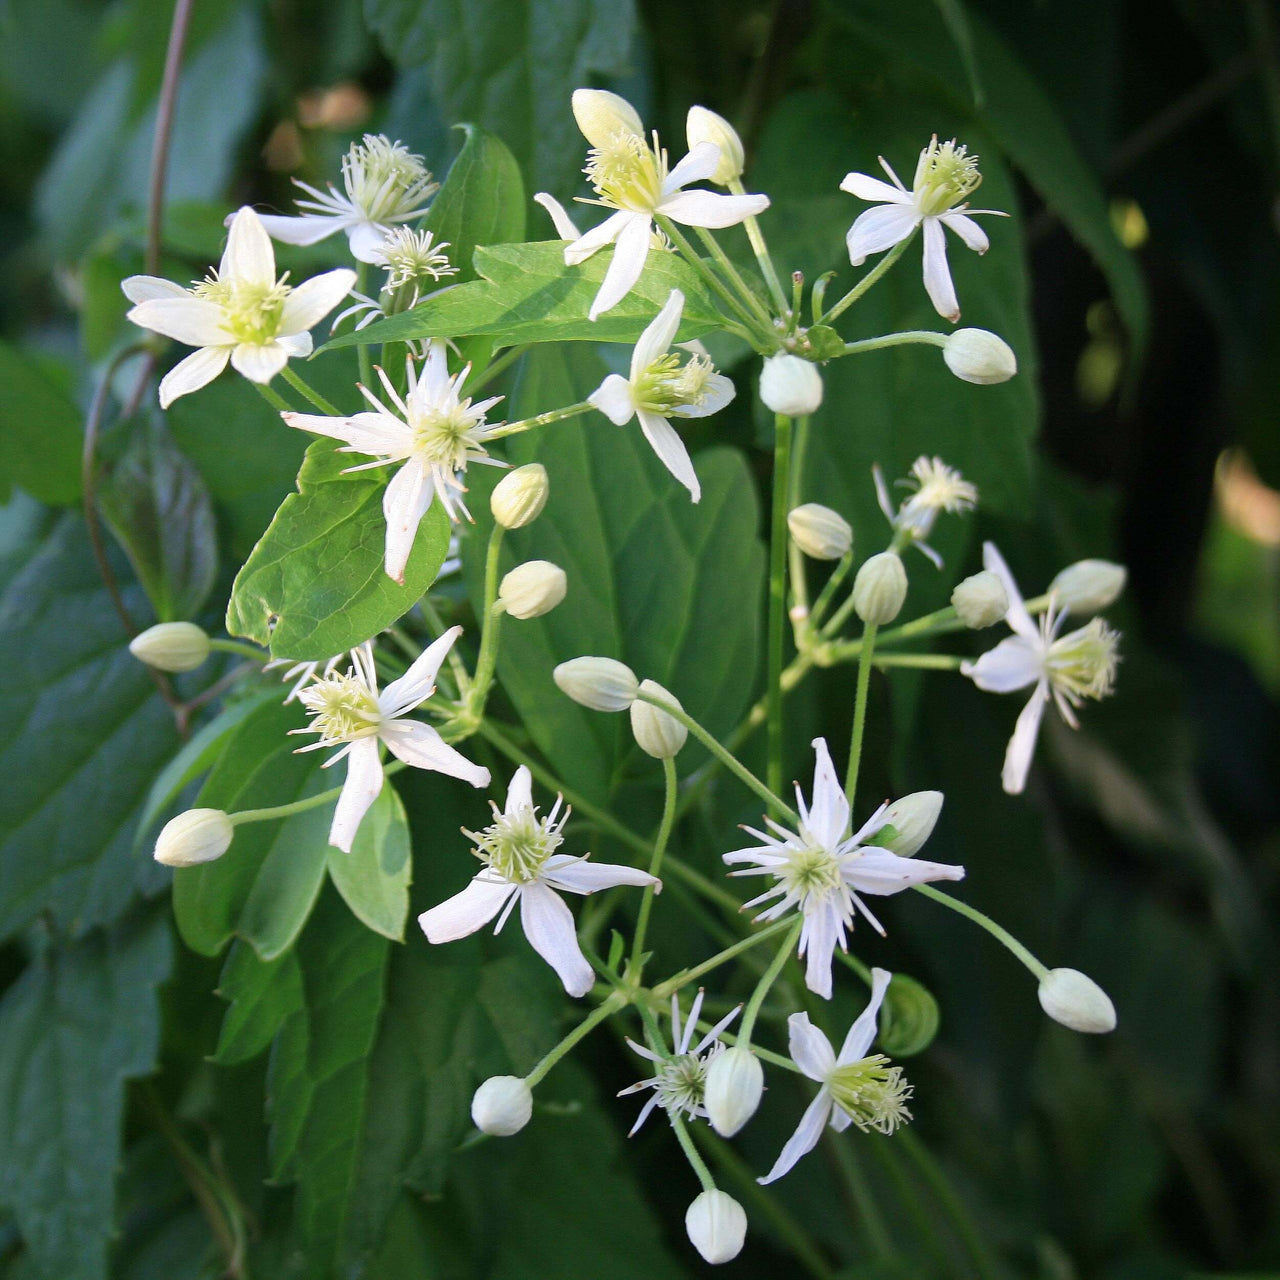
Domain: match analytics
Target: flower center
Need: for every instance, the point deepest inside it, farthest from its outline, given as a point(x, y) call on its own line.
point(811, 871)
point(945, 176)
point(517, 847)
point(667, 386)
point(871, 1093)
point(682, 1083)
point(627, 173)
point(342, 707)
point(448, 438)
point(384, 179)
point(411, 256)
point(250, 312)
point(938, 487)
point(1082, 664)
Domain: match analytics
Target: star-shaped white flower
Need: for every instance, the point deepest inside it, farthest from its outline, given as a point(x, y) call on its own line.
point(347, 710)
point(521, 866)
point(438, 433)
point(856, 1088)
point(945, 176)
point(936, 488)
point(383, 182)
point(822, 870)
point(661, 387)
point(1079, 665)
point(241, 313)
point(631, 178)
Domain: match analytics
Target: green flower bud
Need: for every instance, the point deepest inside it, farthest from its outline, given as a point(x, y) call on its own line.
point(532, 589)
point(908, 1018)
point(735, 1081)
point(658, 734)
point(981, 600)
point(518, 498)
point(909, 822)
point(974, 355)
point(1089, 586)
point(171, 646)
point(1075, 1000)
point(880, 589)
point(717, 1226)
point(705, 126)
point(199, 835)
point(819, 532)
point(791, 386)
point(502, 1106)
point(599, 683)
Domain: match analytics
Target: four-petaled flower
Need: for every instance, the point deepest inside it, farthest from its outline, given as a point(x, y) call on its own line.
point(821, 870)
point(521, 866)
point(935, 487)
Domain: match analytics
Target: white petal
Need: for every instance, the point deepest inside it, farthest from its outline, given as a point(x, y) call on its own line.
point(968, 231)
point(365, 241)
point(879, 228)
point(377, 434)
point(564, 225)
point(880, 871)
point(629, 255)
point(434, 383)
point(805, 1138)
point(519, 791)
point(701, 162)
point(595, 239)
point(718, 392)
point(863, 1032)
point(310, 228)
point(882, 494)
point(148, 288)
point(404, 503)
point(417, 683)
point(658, 334)
point(865, 187)
point(548, 924)
point(822, 931)
point(1016, 616)
point(937, 274)
point(359, 791)
point(297, 346)
point(1022, 746)
point(670, 449)
point(582, 875)
point(248, 256)
point(196, 371)
point(829, 810)
point(810, 1049)
point(259, 362)
point(465, 912)
point(419, 745)
point(613, 398)
point(194, 321)
point(710, 209)
point(313, 299)
point(1013, 664)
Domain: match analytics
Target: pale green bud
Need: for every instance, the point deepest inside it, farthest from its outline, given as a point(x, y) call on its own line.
point(199, 835)
point(1075, 1000)
point(599, 683)
point(735, 1081)
point(974, 355)
point(171, 646)
point(791, 386)
point(532, 589)
point(1089, 586)
point(602, 115)
point(820, 532)
point(909, 822)
point(909, 1017)
point(717, 1226)
point(705, 126)
point(502, 1106)
point(658, 734)
point(880, 589)
point(981, 600)
point(518, 498)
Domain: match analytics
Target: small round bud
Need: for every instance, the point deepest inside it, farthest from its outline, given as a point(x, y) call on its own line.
point(532, 589)
point(735, 1081)
point(1075, 1000)
point(880, 589)
point(599, 683)
point(908, 1018)
point(1089, 586)
point(659, 734)
point(171, 646)
point(705, 126)
point(974, 355)
point(502, 1106)
point(518, 498)
point(981, 600)
point(602, 115)
point(819, 532)
point(199, 835)
point(791, 385)
point(717, 1226)
point(908, 823)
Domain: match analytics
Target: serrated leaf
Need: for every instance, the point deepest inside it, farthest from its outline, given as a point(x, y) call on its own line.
point(262, 995)
point(41, 441)
point(374, 877)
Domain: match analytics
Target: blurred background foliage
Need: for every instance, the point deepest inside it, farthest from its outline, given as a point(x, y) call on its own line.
point(1138, 148)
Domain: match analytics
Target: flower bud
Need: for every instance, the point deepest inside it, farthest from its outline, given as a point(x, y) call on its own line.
point(171, 646)
point(974, 355)
point(981, 600)
point(659, 734)
point(599, 683)
point(820, 532)
point(791, 385)
point(908, 823)
point(532, 589)
point(908, 1018)
point(199, 835)
point(880, 589)
point(502, 1106)
point(602, 115)
point(1075, 1000)
point(1089, 586)
point(518, 498)
point(705, 126)
point(717, 1226)
point(735, 1081)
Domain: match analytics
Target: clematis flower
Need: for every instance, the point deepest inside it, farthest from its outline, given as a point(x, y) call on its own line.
point(946, 176)
point(347, 710)
point(521, 866)
point(241, 312)
point(822, 871)
point(436, 435)
point(1068, 669)
point(856, 1088)
point(661, 388)
point(411, 259)
point(383, 182)
point(631, 177)
point(936, 488)
point(679, 1083)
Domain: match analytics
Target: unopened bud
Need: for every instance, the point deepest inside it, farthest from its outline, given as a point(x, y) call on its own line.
point(1088, 586)
point(717, 1226)
point(659, 734)
point(820, 532)
point(880, 589)
point(171, 646)
point(1075, 1000)
point(599, 683)
point(602, 115)
point(981, 600)
point(705, 126)
point(791, 385)
point(735, 1081)
point(908, 823)
point(502, 1106)
point(532, 589)
point(974, 355)
point(518, 498)
point(908, 1018)
point(199, 835)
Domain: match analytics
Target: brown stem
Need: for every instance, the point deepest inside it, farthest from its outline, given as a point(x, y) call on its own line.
point(164, 129)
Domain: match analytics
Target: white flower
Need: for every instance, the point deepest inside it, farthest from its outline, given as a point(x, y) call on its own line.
point(661, 387)
point(384, 183)
point(241, 312)
point(821, 870)
point(411, 258)
point(346, 709)
point(680, 1082)
point(945, 176)
point(936, 488)
point(1079, 665)
point(856, 1089)
point(631, 178)
point(521, 866)
point(436, 435)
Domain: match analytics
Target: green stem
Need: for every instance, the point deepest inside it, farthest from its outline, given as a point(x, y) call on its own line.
point(769, 977)
point(699, 264)
point(487, 658)
point(868, 280)
point(896, 340)
point(860, 712)
point(855, 1182)
point(696, 1162)
point(309, 393)
point(828, 592)
point(1001, 934)
point(273, 397)
point(300, 806)
point(363, 355)
point(604, 1010)
point(542, 420)
point(799, 579)
point(686, 976)
point(655, 863)
point(761, 250)
point(777, 597)
point(925, 661)
point(496, 366)
point(734, 276)
point(456, 665)
point(239, 648)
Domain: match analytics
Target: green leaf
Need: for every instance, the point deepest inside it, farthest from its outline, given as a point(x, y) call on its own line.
point(529, 295)
point(374, 877)
point(41, 440)
point(262, 995)
point(315, 585)
point(77, 1024)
